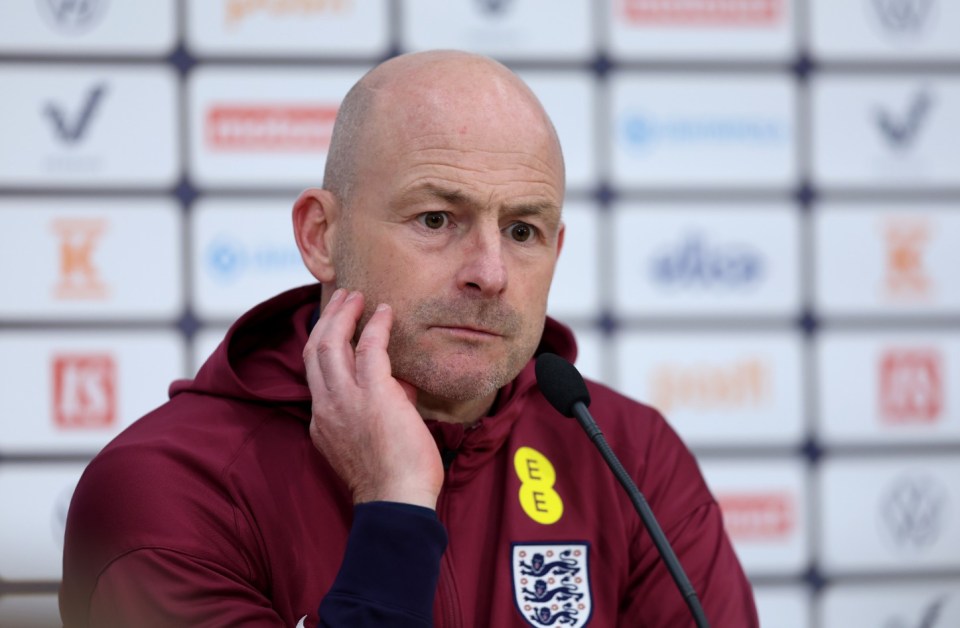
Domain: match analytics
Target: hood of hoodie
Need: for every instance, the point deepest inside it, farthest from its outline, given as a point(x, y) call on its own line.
point(260, 358)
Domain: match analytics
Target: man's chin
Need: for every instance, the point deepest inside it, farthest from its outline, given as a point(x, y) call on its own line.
point(456, 378)
point(453, 385)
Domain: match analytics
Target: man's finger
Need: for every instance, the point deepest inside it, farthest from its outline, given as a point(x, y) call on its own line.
point(373, 363)
point(311, 363)
point(330, 342)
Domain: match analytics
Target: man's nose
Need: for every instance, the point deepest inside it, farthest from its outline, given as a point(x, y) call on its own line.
point(483, 270)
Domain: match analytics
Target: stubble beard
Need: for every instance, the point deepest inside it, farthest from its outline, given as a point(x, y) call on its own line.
point(461, 373)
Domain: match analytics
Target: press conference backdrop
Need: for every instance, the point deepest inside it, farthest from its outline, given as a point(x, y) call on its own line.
point(763, 241)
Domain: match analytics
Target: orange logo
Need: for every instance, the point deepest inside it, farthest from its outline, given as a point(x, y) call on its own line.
point(906, 274)
point(237, 10)
point(703, 12)
point(84, 391)
point(758, 516)
point(79, 278)
point(744, 383)
point(270, 128)
point(911, 386)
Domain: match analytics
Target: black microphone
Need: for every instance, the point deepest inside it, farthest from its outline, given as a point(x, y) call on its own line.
point(563, 386)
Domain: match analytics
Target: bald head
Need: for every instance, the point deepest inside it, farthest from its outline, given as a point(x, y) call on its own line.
point(420, 93)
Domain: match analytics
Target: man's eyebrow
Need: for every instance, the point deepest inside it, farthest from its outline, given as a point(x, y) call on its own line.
point(545, 209)
point(452, 196)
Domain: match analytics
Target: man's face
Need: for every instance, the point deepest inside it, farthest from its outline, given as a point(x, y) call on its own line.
point(456, 224)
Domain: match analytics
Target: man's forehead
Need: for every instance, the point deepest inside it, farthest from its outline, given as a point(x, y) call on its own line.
point(423, 105)
point(448, 89)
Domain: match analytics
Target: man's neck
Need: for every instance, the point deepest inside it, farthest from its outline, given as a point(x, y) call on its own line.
point(465, 412)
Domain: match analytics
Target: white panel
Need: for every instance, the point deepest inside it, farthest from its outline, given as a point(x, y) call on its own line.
point(56, 27)
point(764, 506)
point(282, 28)
point(726, 389)
point(892, 388)
point(263, 128)
point(885, 30)
point(783, 606)
point(35, 610)
point(89, 126)
point(895, 514)
point(890, 132)
point(90, 259)
point(706, 260)
point(35, 498)
point(887, 259)
point(570, 101)
point(576, 288)
point(711, 130)
point(204, 344)
point(907, 604)
point(702, 30)
point(527, 29)
point(243, 252)
point(73, 391)
point(591, 351)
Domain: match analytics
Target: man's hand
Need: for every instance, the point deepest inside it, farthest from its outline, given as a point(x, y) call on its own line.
point(364, 420)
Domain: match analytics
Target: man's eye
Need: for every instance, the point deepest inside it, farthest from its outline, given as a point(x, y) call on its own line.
point(521, 231)
point(433, 220)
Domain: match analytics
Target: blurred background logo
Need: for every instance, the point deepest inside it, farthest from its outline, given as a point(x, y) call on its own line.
point(84, 390)
point(900, 130)
point(695, 263)
point(912, 512)
point(911, 386)
point(72, 17)
point(79, 276)
point(902, 18)
point(70, 128)
point(228, 259)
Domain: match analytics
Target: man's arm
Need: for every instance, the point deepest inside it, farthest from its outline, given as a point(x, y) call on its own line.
point(366, 426)
point(709, 561)
point(364, 421)
point(389, 571)
point(152, 543)
point(387, 577)
point(693, 523)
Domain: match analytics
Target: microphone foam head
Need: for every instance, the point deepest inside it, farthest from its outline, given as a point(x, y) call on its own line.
point(561, 383)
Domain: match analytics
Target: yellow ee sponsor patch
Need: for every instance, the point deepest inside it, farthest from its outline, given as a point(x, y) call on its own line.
point(537, 477)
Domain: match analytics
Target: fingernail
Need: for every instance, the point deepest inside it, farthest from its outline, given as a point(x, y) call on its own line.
point(383, 307)
point(337, 295)
point(353, 295)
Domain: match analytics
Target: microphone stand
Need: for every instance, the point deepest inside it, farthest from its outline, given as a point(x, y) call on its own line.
point(580, 412)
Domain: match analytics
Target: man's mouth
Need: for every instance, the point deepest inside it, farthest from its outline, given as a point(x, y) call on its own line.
point(468, 331)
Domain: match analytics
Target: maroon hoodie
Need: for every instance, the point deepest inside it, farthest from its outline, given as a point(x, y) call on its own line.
point(216, 509)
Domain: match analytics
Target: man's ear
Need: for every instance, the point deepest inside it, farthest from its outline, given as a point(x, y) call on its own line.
point(315, 215)
point(560, 235)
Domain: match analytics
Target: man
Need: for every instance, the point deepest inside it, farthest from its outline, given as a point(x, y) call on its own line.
point(398, 467)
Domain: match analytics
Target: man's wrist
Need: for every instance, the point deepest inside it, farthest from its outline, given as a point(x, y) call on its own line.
point(415, 496)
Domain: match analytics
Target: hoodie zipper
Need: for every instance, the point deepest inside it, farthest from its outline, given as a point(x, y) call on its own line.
point(450, 612)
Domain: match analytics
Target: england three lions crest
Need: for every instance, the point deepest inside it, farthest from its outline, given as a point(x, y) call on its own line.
point(551, 583)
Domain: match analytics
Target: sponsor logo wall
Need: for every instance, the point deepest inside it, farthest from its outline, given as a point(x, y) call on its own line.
point(763, 241)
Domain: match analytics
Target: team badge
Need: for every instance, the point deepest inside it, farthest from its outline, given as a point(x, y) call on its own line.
point(551, 583)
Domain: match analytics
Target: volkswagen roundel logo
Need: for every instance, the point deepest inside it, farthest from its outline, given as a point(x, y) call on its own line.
point(493, 7)
point(72, 16)
point(912, 512)
point(902, 19)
